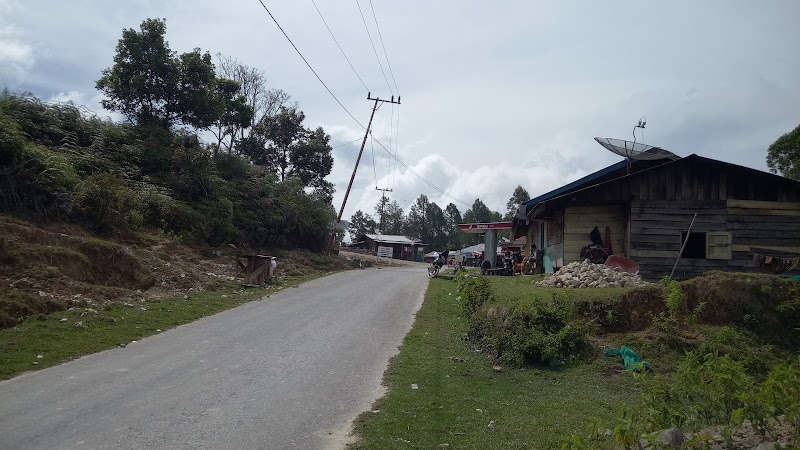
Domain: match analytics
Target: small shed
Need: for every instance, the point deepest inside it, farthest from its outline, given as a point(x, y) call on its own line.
point(741, 213)
point(390, 246)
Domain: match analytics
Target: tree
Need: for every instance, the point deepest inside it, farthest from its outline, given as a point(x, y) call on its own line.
point(360, 223)
point(416, 225)
point(518, 198)
point(479, 213)
point(452, 217)
point(311, 160)
point(150, 84)
point(390, 216)
point(282, 143)
point(253, 88)
point(783, 155)
point(437, 234)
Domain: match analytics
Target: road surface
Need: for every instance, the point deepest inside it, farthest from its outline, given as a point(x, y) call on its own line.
point(288, 371)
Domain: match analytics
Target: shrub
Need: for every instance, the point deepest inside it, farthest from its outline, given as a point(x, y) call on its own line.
point(475, 292)
point(542, 332)
point(106, 205)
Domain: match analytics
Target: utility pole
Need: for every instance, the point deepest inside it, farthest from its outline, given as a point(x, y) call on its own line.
point(383, 205)
point(375, 106)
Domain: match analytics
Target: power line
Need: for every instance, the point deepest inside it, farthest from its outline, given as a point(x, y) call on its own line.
point(340, 47)
point(420, 176)
point(309, 65)
point(373, 47)
point(394, 156)
point(374, 169)
point(396, 145)
point(384, 47)
point(346, 143)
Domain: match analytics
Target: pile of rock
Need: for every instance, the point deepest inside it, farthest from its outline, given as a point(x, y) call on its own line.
point(588, 275)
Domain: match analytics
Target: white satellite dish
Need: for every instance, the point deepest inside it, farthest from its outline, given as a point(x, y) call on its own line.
point(635, 150)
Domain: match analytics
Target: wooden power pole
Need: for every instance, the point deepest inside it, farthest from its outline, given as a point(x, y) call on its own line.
point(377, 101)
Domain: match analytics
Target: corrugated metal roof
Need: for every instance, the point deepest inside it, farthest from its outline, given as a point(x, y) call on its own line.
point(391, 239)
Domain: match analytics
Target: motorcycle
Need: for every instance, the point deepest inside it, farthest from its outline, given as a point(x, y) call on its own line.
point(437, 264)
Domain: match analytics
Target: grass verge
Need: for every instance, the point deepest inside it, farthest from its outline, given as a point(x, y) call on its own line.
point(103, 327)
point(462, 401)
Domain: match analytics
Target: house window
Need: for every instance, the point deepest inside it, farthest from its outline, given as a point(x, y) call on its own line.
point(695, 246)
point(710, 245)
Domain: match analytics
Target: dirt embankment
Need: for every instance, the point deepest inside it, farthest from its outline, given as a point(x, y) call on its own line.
point(54, 267)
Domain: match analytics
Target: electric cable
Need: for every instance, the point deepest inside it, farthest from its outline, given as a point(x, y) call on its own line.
point(373, 47)
point(391, 72)
point(309, 65)
point(340, 47)
point(394, 156)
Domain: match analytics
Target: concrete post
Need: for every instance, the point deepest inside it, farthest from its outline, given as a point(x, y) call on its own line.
point(490, 246)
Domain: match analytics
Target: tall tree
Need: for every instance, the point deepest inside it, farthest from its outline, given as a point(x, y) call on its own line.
point(436, 227)
point(150, 84)
point(783, 155)
point(416, 225)
point(360, 223)
point(311, 160)
point(392, 215)
point(283, 144)
point(518, 198)
point(265, 102)
point(452, 218)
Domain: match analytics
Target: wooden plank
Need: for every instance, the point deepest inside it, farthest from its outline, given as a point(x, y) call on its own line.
point(777, 248)
point(671, 228)
point(679, 211)
point(635, 253)
point(654, 239)
point(779, 226)
point(655, 246)
point(707, 264)
point(766, 242)
point(735, 218)
point(764, 212)
point(675, 204)
point(779, 234)
point(755, 204)
point(684, 217)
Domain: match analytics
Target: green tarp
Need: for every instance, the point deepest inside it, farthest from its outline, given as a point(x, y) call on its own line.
point(632, 360)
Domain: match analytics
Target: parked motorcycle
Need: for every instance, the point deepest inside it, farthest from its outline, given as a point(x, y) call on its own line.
point(437, 264)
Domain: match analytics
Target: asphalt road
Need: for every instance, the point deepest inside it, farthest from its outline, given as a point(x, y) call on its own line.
point(288, 371)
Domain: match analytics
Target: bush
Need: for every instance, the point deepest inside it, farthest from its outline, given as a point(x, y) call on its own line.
point(475, 292)
point(542, 332)
point(106, 205)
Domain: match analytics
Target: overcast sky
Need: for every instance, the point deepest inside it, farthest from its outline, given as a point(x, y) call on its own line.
point(494, 94)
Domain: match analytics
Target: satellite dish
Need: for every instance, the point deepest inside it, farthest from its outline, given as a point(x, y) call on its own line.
point(635, 150)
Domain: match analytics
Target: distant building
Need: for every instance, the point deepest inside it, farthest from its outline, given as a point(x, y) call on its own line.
point(391, 246)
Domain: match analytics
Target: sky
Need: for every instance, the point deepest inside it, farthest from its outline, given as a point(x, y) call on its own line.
point(494, 94)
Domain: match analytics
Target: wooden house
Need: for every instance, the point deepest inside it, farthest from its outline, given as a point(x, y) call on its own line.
point(740, 212)
point(390, 246)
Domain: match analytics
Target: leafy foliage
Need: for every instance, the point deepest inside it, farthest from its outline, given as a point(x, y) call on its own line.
point(360, 223)
point(783, 156)
point(518, 198)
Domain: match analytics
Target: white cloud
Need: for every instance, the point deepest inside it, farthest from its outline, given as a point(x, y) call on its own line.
point(16, 56)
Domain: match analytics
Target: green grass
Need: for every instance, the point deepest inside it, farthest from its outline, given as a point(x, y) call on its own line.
point(456, 401)
point(112, 325)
